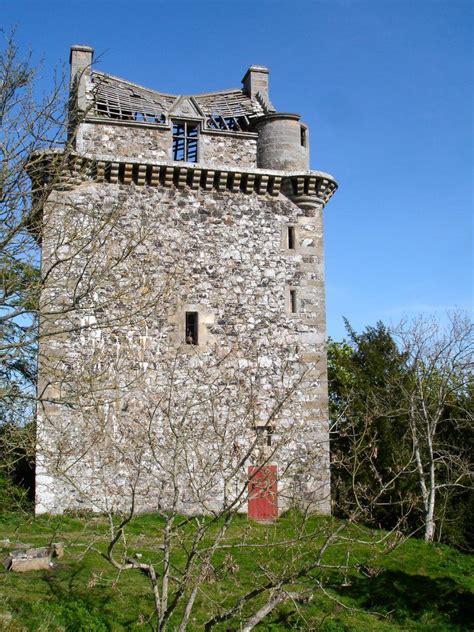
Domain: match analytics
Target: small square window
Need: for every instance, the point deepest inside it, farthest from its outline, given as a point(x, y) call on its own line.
point(192, 328)
point(265, 434)
point(185, 141)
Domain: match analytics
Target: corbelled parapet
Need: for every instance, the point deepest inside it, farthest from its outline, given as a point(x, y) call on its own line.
point(308, 198)
point(309, 186)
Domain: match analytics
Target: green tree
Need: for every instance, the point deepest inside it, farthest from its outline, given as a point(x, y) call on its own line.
point(402, 410)
point(368, 464)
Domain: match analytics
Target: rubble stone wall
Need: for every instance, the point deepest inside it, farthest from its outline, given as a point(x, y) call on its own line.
point(148, 143)
point(154, 143)
point(127, 407)
point(228, 149)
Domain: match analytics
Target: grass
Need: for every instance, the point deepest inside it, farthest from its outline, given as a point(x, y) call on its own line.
point(411, 586)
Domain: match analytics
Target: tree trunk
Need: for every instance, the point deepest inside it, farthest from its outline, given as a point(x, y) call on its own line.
point(429, 515)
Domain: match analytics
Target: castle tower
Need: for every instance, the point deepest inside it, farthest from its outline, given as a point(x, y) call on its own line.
point(182, 329)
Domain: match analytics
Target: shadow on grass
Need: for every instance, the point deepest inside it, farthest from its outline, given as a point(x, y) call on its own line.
point(413, 596)
point(83, 607)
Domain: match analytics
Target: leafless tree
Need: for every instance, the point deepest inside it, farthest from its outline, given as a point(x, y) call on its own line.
point(27, 124)
point(169, 429)
point(405, 424)
point(435, 400)
point(187, 453)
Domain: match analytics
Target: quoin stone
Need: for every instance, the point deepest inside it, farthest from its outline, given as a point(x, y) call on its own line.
point(182, 313)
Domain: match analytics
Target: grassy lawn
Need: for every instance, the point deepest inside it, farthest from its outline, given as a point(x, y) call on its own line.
point(364, 584)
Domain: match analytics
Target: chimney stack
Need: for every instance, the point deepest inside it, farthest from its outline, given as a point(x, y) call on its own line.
point(81, 61)
point(256, 82)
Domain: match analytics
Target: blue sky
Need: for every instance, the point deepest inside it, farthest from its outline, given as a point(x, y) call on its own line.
point(385, 87)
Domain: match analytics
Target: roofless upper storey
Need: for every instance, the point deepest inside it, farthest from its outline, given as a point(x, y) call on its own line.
point(236, 128)
point(229, 110)
point(112, 98)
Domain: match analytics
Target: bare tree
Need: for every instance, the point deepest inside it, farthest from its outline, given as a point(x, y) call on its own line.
point(177, 440)
point(27, 124)
point(38, 167)
point(187, 454)
point(123, 420)
point(435, 400)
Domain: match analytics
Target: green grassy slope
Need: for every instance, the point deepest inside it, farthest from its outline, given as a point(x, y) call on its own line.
point(365, 584)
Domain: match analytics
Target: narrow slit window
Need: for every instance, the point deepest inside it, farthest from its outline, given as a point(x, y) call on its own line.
point(269, 435)
point(192, 323)
point(293, 304)
point(185, 142)
point(303, 136)
point(291, 238)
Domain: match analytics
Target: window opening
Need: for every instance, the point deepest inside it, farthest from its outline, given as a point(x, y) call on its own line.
point(265, 434)
point(293, 301)
point(191, 328)
point(303, 136)
point(185, 142)
point(227, 123)
point(291, 237)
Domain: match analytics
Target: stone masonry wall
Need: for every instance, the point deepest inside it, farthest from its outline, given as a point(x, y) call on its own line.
point(229, 149)
point(154, 143)
point(127, 407)
point(148, 143)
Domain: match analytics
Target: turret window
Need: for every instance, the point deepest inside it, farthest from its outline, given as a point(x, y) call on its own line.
point(185, 141)
point(303, 136)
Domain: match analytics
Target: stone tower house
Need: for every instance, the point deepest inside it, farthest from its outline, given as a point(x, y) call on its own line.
point(182, 329)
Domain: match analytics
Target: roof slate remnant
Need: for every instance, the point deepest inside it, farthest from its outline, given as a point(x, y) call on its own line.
point(119, 99)
point(229, 110)
point(115, 98)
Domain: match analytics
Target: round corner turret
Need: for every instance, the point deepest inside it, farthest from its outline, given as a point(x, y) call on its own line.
point(283, 142)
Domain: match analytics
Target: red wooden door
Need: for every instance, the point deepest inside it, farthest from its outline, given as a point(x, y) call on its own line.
point(263, 499)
